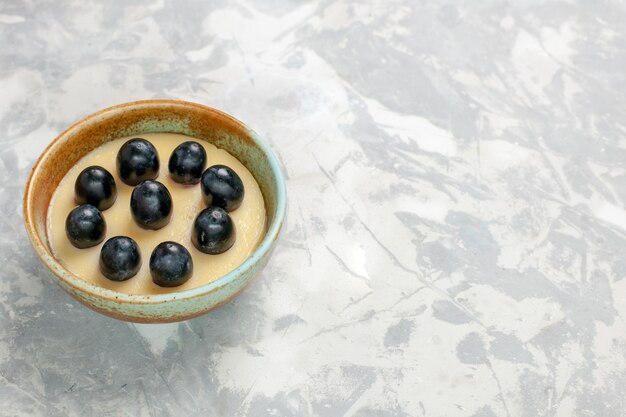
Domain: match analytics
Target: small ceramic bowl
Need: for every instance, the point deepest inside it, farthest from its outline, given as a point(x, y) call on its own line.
point(151, 116)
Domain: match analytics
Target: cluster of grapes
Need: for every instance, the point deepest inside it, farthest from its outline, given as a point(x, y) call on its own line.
point(151, 207)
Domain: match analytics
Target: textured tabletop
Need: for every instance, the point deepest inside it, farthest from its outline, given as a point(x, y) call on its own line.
point(456, 235)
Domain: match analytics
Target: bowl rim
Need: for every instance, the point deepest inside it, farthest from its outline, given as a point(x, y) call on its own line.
point(77, 283)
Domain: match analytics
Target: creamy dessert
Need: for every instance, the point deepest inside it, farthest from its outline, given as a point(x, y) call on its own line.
point(166, 213)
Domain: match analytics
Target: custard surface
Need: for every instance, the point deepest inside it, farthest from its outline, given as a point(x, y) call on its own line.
point(249, 219)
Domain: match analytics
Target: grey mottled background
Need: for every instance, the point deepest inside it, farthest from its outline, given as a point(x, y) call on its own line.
point(457, 223)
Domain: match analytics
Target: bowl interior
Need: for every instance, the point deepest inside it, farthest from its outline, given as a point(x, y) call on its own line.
point(151, 116)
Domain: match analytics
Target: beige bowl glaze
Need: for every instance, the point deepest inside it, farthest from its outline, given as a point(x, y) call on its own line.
point(151, 116)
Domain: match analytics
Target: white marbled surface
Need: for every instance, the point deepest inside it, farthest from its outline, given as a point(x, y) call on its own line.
point(457, 223)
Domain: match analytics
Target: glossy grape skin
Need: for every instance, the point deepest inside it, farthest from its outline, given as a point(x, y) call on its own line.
point(151, 205)
point(120, 258)
point(85, 226)
point(213, 231)
point(222, 187)
point(96, 186)
point(137, 160)
point(187, 163)
point(170, 264)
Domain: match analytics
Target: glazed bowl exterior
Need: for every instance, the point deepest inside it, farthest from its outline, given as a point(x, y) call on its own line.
point(152, 116)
